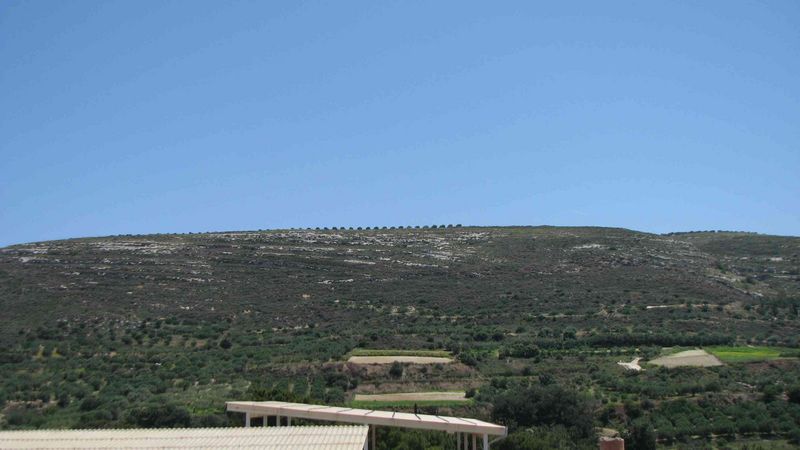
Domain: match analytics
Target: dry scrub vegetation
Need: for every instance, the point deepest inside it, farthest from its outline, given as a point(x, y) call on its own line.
point(160, 330)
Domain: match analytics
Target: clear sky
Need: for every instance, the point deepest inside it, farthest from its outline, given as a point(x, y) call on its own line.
point(139, 117)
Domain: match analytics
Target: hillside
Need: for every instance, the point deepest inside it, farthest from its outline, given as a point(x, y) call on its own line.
point(314, 278)
point(199, 318)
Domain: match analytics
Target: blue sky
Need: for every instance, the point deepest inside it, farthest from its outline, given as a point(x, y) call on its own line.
point(140, 117)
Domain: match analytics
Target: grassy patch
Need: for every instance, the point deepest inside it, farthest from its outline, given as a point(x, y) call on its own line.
point(668, 351)
point(409, 403)
point(748, 354)
point(389, 352)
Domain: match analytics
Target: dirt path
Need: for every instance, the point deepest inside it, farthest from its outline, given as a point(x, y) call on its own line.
point(415, 396)
point(696, 358)
point(402, 359)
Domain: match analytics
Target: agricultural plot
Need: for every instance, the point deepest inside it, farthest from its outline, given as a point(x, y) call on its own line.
point(410, 404)
point(750, 354)
point(389, 356)
point(400, 359)
point(411, 399)
point(390, 352)
point(693, 358)
point(412, 396)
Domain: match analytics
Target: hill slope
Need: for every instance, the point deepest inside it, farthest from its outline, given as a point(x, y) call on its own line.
point(160, 330)
point(316, 278)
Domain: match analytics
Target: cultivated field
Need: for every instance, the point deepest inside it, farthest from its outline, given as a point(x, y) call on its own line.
point(695, 358)
point(392, 352)
point(412, 396)
point(752, 354)
point(399, 358)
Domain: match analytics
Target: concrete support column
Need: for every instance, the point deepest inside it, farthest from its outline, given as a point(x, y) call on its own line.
point(374, 439)
point(485, 442)
point(247, 420)
point(474, 442)
point(277, 421)
point(288, 421)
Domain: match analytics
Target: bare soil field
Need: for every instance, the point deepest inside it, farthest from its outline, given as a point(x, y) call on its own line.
point(402, 359)
point(412, 396)
point(696, 358)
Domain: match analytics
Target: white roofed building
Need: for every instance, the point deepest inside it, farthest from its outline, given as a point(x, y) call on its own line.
point(342, 437)
point(354, 430)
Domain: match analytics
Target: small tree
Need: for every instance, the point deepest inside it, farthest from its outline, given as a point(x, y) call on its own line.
point(396, 371)
point(641, 437)
point(160, 416)
point(794, 393)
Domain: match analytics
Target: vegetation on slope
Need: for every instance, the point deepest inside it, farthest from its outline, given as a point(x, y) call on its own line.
point(160, 330)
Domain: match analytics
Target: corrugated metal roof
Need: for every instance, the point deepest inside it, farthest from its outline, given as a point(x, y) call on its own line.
point(368, 417)
point(341, 437)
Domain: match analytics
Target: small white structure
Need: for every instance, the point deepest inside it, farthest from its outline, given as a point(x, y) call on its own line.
point(633, 365)
point(353, 437)
point(462, 427)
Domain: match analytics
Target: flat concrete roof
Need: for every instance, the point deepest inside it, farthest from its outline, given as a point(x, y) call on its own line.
point(342, 437)
point(368, 417)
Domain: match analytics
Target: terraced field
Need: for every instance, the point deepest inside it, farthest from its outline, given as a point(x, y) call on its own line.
point(688, 358)
point(400, 359)
point(751, 354)
point(412, 396)
point(399, 352)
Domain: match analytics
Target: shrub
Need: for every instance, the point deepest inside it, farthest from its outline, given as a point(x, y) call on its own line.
point(641, 436)
point(544, 405)
point(396, 371)
point(89, 404)
point(794, 394)
point(160, 416)
point(542, 438)
point(63, 400)
point(24, 417)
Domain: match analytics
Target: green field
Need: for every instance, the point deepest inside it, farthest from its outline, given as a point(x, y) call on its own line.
point(389, 352)
point(410, 403)
point(747, 354)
